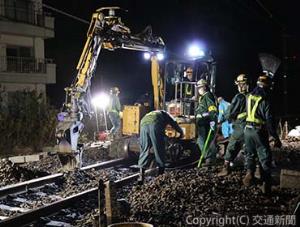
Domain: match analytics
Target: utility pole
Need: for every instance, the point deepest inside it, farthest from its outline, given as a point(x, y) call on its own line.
point(285, 69)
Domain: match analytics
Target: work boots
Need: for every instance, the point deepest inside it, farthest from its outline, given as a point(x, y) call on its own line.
point(266, 188)
point(257, 173)
point(161, 170)
point(267, 184)
point(248, 179)
point(225, 170)
point(141, 176)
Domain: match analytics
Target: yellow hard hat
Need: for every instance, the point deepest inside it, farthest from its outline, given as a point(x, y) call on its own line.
point(241, 79)
point(201, 83)
point(263, 81)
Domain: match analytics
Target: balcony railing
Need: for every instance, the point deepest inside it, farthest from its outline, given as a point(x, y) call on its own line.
point(29, 16)
point(23, 65)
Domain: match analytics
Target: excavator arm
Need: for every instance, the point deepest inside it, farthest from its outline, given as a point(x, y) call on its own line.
point(107, 32)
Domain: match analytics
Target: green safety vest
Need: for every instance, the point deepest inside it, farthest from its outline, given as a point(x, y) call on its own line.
point(150, 118)
point(251, 110)
point(114, 104)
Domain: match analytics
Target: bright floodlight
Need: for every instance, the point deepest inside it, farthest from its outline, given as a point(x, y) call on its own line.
point(160, 56)
point(195, 51)
point(101, 101)
point(147, 55)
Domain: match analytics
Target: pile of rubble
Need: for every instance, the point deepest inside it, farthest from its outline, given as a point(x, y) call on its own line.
point(171, 198)
point(11, 173)
point(50, 164)
point(288, 156)
point(93, 155)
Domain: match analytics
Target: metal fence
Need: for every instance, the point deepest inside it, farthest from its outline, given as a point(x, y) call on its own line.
point(25, 15)
point(23, 65)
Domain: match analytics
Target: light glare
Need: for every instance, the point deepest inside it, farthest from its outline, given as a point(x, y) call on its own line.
point(195, 51)
point(101, 101)
point(160, 56)
point(147, 55)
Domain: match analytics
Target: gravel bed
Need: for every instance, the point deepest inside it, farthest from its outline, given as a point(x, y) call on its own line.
point(12, 174)
point(169, 199)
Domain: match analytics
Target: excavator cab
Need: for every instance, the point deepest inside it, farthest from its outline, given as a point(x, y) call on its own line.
point(180, 100)
point(181, 95)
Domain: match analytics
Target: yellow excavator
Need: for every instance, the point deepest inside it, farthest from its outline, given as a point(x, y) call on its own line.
point(106, 31)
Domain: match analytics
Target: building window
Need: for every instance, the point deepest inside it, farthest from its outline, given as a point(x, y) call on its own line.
point(18, 51)
point(20, 59)
point(19, 10)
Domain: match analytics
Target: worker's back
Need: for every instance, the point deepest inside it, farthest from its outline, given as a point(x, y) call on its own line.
point(153, 117)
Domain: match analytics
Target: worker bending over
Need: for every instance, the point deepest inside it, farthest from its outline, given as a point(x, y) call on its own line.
point(152, 134)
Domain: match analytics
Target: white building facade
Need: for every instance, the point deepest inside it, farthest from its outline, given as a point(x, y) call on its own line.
point(23, 30)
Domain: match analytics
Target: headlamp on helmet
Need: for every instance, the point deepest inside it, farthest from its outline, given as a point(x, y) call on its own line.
point(264, 81)
point(241, 79)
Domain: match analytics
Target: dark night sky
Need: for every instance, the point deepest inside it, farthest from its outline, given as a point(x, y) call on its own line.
point(234, 30)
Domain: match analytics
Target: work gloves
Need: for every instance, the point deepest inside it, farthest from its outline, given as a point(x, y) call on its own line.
point(212, 125)
point(202, 115)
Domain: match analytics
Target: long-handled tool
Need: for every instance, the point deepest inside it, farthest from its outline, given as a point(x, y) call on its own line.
point(205, 148)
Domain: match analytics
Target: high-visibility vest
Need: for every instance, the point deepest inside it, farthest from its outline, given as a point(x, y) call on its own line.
point(188, 89)
point(241, 115)
point(209, 109)
point(251, 110)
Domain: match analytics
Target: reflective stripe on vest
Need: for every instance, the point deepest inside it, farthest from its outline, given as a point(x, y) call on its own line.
point(251, 110)
point(241, 115)
point(188, 89)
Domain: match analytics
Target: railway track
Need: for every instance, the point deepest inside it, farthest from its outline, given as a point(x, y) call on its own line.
point(25, 202)
point(29, 216)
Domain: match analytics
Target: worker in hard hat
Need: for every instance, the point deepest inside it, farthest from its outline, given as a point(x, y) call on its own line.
point(206, 119)
point(114, 110)
point(188, 92)
point(236, 114)
point(259, 125)
point(152, 134)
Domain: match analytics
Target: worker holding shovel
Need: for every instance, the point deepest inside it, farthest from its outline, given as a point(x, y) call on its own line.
point(206, 119)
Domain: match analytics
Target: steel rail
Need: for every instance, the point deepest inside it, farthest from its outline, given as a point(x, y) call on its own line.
point(24, 186)
point(32, 215)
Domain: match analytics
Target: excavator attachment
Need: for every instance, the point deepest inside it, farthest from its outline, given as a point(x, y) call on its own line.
point(269, 64)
